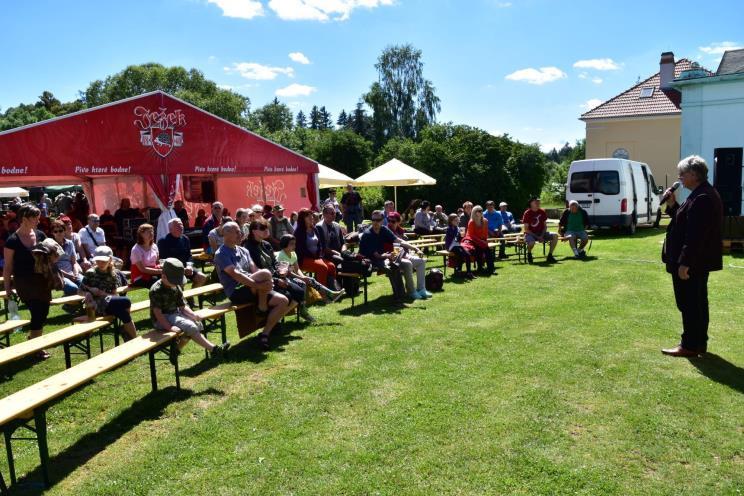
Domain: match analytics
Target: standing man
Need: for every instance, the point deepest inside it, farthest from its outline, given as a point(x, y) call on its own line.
point(692, 249)
point(351, 207)
point(92, 236)
point(536, 230)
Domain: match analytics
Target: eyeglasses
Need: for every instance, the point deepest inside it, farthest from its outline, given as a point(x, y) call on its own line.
point(262, 227)
point(58, 230)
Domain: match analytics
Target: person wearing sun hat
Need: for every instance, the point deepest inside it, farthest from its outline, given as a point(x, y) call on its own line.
point(279, 225)
point(99, 288)
point(169, 310)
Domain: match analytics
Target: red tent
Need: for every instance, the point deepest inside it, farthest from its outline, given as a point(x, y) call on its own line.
point(153, 148)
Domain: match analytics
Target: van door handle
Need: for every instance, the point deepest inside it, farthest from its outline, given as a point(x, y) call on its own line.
point(596, 200)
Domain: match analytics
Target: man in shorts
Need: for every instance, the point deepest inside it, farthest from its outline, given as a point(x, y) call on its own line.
point(573, 224)
point(536, 230)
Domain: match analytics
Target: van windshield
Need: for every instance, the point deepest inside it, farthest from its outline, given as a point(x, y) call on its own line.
point(605, 182)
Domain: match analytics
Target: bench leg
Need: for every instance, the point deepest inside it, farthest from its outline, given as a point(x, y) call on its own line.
point(166, 349)
point(444, 264)
point(3, 487)
point(153, 372)
point(364, 277)
point(9, 452)
point(5, 341)
point(41, 432)
point(68, 359)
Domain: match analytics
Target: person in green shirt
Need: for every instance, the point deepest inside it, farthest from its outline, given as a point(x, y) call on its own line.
point(169, 311)
point(287, 254)
point(573, 224)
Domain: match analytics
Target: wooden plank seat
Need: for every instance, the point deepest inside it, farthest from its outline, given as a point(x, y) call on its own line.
point(70, 336)
point(27, 407)
point(78, 300)
point(7, 328)
point(729, 243)
point(445, 254)
point(213, 319)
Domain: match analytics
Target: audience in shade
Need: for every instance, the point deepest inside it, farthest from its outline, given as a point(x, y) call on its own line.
point(510, 225)
point(467, 208)
point(177, 245)
point(215, 237)
point(279, 225)
point(201, 218)
point(145, 258)
point(181, 213)
point(92, 236)
point(214, 220)
point(331, 236)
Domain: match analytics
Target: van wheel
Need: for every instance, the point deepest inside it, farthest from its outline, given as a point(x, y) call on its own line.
point(658, 219)
point(631, 229)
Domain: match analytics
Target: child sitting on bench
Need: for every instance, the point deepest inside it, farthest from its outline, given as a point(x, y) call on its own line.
point(287, 255)
point(169, 310)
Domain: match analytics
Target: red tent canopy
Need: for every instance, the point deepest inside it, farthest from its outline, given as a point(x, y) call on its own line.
point(154, 136)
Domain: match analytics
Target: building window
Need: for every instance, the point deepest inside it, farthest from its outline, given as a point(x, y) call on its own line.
point(621, 153)
point(647, 92)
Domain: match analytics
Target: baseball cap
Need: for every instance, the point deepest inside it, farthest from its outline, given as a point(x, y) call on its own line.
point(503, 204)
point(103, 254)
point(173, 271)
point(278, 208)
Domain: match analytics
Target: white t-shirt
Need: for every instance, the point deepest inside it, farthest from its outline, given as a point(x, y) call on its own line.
point(149, 258)
point(87, 240)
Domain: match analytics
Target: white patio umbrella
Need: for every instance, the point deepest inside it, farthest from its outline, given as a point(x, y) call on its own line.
point(13, 192)
point(329, 178)
point(395, 173)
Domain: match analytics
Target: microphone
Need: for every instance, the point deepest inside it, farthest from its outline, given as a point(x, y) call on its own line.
point(671, 191)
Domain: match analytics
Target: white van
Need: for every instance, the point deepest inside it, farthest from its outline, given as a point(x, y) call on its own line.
point(615, 192)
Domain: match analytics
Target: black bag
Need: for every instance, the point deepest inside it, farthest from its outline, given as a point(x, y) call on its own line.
point(434, 280)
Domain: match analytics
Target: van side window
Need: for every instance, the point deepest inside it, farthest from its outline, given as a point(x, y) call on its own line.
point(581, 182)
point(605, 182)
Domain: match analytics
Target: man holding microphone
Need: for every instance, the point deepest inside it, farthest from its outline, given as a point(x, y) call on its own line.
point(692, 249)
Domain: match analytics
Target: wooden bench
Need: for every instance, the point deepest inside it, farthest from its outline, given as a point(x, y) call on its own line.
point(78, 300)
point(76, 335)
point(27, 408)
point(445, 254)
point(7, 328)
point(728, 244)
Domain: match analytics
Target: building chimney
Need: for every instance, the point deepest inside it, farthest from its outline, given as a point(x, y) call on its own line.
point(666, 73)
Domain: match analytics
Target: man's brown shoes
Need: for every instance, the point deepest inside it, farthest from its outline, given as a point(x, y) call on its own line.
point(678, 351)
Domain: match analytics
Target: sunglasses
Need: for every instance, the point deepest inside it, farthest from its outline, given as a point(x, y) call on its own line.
point(376, 220)
point(58, 230)
point(262, 227)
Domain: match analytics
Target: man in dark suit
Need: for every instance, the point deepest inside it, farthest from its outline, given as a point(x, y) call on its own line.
point(692, 250)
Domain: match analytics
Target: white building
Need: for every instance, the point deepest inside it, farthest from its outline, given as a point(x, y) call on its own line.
point(713, 124)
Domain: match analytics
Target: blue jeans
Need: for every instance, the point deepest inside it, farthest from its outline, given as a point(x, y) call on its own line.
point(71, 287)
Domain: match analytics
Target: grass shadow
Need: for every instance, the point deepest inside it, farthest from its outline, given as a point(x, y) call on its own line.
point(642, 232)
point(720, 370)
point(149, 407)
point(382, 305)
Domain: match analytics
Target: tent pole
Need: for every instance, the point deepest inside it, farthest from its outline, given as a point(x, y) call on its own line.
point(395, 195)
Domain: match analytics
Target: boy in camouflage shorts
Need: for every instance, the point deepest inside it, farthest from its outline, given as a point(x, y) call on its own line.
point(169, 310)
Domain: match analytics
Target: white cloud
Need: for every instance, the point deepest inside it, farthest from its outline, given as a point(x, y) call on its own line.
point(717, 49)
point(252, 70)
point(321, 10)
point(299, 57)
point(590, 104)
point(597, 80)
point(537, 76)
point(242, 9)
point(583, 75)
point(212, 58)
point(295, 90)
point(547, 147)
point(225, 86)
point(504, 5)
point(597, 64)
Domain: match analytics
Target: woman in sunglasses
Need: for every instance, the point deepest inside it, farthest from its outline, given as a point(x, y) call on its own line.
point(67, 263)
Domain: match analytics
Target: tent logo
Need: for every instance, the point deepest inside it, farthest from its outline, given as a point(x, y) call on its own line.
point(158, 129)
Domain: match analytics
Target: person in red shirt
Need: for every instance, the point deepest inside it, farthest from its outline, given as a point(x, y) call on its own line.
point(536, 231)
point(476, 240)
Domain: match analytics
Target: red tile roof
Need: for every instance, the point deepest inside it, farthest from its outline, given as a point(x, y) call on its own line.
point(629, 103)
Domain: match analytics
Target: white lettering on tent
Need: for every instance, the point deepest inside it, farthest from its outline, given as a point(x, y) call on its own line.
point(159, 119)
point(280, 169)
point(14, 170)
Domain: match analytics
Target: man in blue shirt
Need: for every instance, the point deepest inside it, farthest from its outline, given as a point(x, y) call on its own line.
point(510, 225)
point(495, 225)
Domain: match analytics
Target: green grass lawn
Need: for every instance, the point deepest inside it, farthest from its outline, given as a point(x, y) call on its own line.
point(539, 380)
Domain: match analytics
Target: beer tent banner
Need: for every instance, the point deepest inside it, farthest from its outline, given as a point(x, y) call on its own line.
point(140, 148)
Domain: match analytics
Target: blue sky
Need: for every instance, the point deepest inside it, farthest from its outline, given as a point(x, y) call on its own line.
point(524, 67)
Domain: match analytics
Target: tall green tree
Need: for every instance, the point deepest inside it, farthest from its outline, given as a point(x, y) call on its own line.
point(326, 120)
point(359, 121)
point(301, 120)
point(403, 102)
point(272, 117)
point(315, 118)
point(343, 120)
point(342, 150)
point(189, 85)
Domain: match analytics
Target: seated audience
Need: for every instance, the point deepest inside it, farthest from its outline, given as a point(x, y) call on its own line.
point(73, 236)
point(287, 255)
point(372, 246)
point(125, 211)
point(535, 221)
point(214, 220)
point(279, 225)
point(177, 245)
point(262, 254)
point(387, 208)
point(408, 261)
point(467, 208)
point(452, 240)
point(67, 263)
point(92, 236)
point(440, 218)
point(332, 243)
point(423, 221)
point(476, 240)
point(510, 225)
point(215, 237)
point(293, 221)
point(170, 312)
point(144, 258)
point(201, 217)
point(573, 224)
point(99, 289)
point(309, 250)
point(495, 225)
point(245, 283)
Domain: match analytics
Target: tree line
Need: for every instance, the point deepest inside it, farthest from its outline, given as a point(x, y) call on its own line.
point(395, 117)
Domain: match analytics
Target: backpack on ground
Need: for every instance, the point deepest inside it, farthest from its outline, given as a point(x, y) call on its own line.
point(434, 280)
